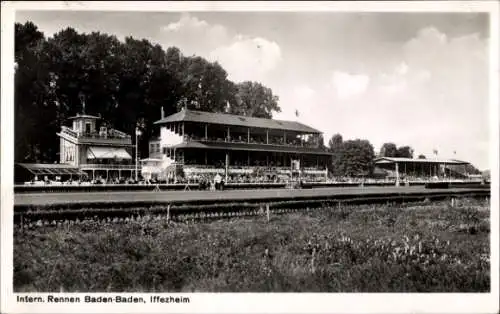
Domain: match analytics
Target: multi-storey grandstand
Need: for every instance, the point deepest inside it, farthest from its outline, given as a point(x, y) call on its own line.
point(195, 144)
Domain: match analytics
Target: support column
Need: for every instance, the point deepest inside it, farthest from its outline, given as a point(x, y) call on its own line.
point(183, 129)
point(248, 158)
point(284, 137)
point(227, 166)
point(119, 174)
point(228, 134)
point(397, 174)
point(206, 158)
point(206, 131)
point(267, 160)
point(267, 136)
point(248, 135)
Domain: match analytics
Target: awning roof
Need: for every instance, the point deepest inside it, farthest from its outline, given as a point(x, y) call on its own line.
point(51, 169)
point(96, 152)
point(252, 147)
point(236, 120)
point(386, 160)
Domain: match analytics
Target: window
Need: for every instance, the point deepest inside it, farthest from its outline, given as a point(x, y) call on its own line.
point(88, 126)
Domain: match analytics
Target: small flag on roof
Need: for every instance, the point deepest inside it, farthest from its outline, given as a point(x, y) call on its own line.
point(435, 152)
point(296, 112)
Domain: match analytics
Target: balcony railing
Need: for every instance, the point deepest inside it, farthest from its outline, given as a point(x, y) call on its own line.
point(111, 136)
point(272, 142)
point(107, 167)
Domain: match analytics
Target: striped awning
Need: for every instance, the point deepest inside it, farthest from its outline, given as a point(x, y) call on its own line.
point(51, 169)
point(107, 153)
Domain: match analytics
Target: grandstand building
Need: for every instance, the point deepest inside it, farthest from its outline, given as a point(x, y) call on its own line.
point(99, 152)
point(411, 169)
point(196, 144)
point(88, 149)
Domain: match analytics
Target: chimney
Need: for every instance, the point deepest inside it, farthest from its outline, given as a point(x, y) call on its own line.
point(162, 113)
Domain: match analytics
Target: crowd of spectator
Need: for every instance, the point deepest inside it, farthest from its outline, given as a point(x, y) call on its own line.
point(274, 140)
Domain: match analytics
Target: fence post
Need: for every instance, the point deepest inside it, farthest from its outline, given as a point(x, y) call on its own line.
point(168, 213)
point(313, 269)
point(267, 211)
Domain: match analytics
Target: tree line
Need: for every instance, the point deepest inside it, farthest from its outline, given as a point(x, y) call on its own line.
point(125, 82)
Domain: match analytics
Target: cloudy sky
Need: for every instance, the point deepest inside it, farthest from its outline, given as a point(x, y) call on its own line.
point(417, 79)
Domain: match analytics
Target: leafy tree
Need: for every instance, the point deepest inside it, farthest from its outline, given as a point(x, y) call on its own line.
point(405, 152)
point(33, 109)
point(357, 157)
point(421, 156)
point(389, 150)
point(335, 142)
point(255, 100)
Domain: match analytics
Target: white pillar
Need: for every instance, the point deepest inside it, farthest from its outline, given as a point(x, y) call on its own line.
point(227, 166)
point(397, 174)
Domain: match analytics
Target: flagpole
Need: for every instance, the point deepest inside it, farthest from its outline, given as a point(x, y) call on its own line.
point(136, 155)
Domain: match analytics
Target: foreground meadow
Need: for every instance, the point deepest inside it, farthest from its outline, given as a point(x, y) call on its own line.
point(402, 248)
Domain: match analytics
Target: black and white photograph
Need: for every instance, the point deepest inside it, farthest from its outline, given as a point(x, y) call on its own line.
point(154, 158)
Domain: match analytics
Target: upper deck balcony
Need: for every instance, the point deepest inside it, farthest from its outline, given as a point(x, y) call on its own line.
point(274, 141)
point(110, 137)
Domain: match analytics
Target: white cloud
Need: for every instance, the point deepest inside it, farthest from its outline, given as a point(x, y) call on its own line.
point(194, 36)
point(186, 22)
point(248, 58)
point(348, 85)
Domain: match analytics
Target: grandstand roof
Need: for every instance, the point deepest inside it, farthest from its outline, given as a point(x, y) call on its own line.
point(252, 147)
point(382, 160)
point(236, 120)
point(51, 169)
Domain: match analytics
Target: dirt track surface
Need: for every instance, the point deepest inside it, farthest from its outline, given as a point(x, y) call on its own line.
point(179, 196)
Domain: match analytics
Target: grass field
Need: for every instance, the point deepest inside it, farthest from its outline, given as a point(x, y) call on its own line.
point(419, 248)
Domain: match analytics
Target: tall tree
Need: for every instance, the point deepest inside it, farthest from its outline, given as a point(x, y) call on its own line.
point(335, 142)
point(357, 157)
point(405, 152)
point(389, 150)
point(255, 100)
point(33, 108)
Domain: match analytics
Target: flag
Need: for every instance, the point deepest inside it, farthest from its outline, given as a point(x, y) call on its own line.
point(296, 113)
point(454, 152)
point(435, 152)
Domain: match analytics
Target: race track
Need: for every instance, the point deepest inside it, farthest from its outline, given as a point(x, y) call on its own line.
point(179, 196)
